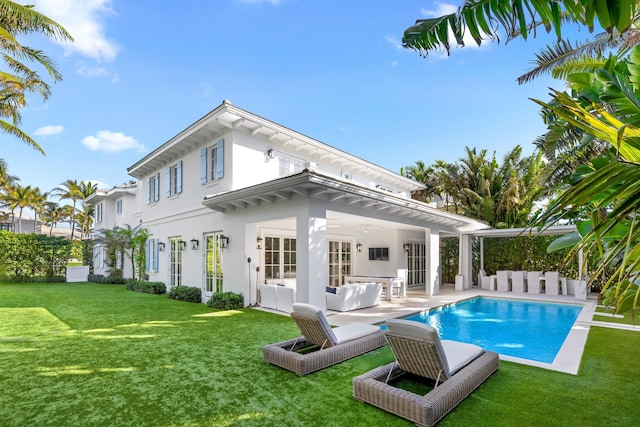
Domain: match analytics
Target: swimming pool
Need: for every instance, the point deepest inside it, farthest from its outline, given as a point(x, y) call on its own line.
point(526, 329)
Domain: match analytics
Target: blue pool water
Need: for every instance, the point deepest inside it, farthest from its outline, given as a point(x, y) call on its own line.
point(526, 329)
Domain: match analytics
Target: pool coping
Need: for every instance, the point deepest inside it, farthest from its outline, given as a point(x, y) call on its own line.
point(569, 356)
point(567, 360)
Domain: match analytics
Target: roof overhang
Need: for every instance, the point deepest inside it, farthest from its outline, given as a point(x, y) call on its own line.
point(311, 184)
point(227, 117)
point(112, 193)
point(516, 232)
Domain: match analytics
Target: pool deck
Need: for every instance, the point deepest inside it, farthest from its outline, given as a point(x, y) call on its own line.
point(567, 360)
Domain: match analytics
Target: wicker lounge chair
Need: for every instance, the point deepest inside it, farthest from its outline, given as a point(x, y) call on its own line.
point(319, 345)
point(456, 368)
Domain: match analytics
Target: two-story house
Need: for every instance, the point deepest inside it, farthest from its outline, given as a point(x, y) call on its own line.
point(235, 200)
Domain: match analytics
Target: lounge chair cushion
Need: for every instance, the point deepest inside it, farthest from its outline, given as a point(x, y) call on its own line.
point(459, 354)
point(353, 331)
point(314, 312)
point(454, 355)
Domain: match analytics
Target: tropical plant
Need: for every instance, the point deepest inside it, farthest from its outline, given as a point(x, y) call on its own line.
point(604, 193)
point(517, 18)
point(114, 243)
point(86, 189)
point(135, 239)
point(479, 187)
point(20, 80)
point(52, 215)
point(70, 190)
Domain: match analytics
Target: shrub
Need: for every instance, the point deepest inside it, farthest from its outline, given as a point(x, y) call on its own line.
point(99, 278)
point(186, 293)
point(226, 301)
point(156, 288)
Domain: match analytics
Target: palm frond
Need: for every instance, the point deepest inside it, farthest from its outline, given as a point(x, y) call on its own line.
point(516, 18)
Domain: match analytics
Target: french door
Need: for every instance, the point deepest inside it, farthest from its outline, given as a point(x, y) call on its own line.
point(416, 264)
point(339, 262)
point(213, 273)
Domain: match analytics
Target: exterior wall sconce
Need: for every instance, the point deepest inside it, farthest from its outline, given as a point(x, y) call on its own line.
point(259, 243)
point(406, 247)
point(161, 246)
point(182, 245)
point(224, 241)
point(194, 244)
point(271, 153)
point(359, 247)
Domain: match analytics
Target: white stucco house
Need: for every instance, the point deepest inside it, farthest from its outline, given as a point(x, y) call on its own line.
point(235, 200)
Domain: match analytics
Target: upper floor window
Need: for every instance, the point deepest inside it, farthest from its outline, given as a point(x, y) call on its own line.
point(119, 206)
point(212, 162)
point(289, 164)
point(153, 188)
point(174, 179)
point(384, 188)
point(99, 213)
point(346, 175)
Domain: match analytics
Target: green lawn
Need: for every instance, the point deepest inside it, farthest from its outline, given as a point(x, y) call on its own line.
point(99, 355)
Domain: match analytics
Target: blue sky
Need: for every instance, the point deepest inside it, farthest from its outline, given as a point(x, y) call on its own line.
point(141, 71)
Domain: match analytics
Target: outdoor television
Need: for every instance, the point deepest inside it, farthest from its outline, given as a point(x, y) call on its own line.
point(379, 254)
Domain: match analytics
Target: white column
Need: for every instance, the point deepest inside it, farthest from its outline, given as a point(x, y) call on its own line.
point(311, 254)
point(465, 268)
point(432, 240)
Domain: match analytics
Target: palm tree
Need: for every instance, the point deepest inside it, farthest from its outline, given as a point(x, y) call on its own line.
point(23, 197)
point(86, 188)
point(15, 85)
point(420, 173)
point(135, 239)
point(69, 190)
point(517, 18)
point(37, 204)
point(52, 215)
point(114, 242)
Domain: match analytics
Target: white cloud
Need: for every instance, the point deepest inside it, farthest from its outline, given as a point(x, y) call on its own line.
point(84, 20)
point(111, 142)
point(394, 42)
point(49, 130)
point(101, 185)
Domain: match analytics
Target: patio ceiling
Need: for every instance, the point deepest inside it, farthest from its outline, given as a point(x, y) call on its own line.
point(309, 183)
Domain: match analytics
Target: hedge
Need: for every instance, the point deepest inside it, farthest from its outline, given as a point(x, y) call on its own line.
point(33, 256)
point(226, 301)
point(157, 288)
point(186, 293)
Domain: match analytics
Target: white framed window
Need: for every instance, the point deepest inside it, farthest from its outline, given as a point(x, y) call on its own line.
point(153, 188)
point(118, 206)
point(213, 258)
point(416, 264)
point(346, 175)
point(174, 179)
point(279, 258)
point(175, 261)
point(99, 213)
point(384, 188)
point(152, 256)
point(288, 164)
point(212, 162)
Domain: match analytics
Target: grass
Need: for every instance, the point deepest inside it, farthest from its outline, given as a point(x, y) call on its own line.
point(628, 318)
point(88, 354)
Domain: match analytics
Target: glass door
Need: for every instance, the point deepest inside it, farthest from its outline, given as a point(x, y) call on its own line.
point(339, 262)
point(213, 274)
